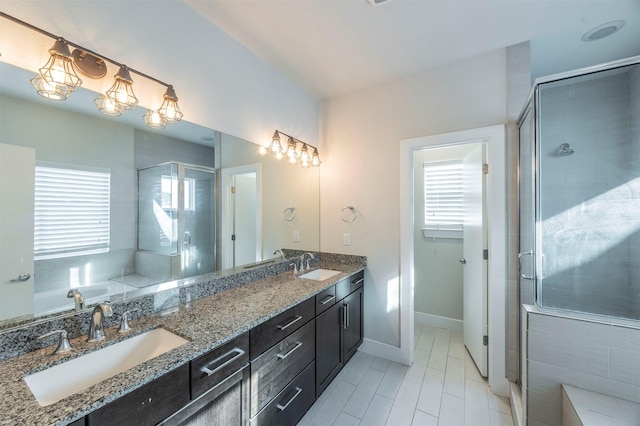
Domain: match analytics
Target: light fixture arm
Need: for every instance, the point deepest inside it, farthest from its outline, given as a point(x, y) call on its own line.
point(82, 48)
point(296, 139)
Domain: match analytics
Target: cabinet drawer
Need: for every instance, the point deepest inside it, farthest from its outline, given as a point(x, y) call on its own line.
point(213, 367)
point(325, 300)
point(272, 331)
point(288, 407)
point(349, 285)
point(149, 404)
point(271, 372)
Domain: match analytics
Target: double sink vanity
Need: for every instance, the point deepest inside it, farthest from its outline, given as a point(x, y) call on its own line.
point(258, 353)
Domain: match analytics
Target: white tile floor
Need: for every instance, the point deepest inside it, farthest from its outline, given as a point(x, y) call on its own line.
point(442, 387)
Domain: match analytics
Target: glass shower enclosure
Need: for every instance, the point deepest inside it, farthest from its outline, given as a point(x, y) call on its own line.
point(579, 184)
point(176, 221)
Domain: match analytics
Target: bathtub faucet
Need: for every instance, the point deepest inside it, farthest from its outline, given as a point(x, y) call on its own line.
point(77, 298)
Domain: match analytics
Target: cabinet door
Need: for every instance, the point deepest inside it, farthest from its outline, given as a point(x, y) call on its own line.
point(225, 410)
point(148, 404)
point(328, 346)
point(352, 329)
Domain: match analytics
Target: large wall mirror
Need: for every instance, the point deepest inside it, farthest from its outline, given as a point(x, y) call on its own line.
point(155, 206)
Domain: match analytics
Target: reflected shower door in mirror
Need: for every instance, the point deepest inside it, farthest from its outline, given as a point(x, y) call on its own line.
point(176, 224)
point(73, 135)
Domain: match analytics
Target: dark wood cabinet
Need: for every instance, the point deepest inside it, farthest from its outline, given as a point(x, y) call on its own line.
point(339, 330)
point(288, 407)
point(277, 328)
point(273, 370)
point(219, 387)
point(148, 404)
point(328, 346)
point(352, 324)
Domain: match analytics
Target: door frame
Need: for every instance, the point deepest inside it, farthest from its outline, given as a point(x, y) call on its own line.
point(494, 137)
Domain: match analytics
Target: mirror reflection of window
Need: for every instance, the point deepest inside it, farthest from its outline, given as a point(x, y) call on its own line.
point(169, 187)
point(71, 211)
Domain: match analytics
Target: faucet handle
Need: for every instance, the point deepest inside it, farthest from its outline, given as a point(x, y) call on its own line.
point(63, 344)
point(124, 322)
point(295, 268)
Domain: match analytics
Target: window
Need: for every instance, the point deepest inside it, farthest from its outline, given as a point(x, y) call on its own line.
point(71, 211)
point(443, 199)
point(169, 188)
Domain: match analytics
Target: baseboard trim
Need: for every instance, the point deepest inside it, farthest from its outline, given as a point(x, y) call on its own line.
point(383, 350)
point(438, 321)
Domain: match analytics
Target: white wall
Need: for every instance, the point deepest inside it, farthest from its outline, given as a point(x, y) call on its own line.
point(360, 136)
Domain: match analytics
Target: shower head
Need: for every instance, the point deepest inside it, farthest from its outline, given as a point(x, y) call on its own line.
point(565, 149)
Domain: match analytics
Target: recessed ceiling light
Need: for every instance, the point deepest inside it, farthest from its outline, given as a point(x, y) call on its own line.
point(602, 31)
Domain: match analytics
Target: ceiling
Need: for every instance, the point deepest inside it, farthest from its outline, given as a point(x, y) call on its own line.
point(333, 47)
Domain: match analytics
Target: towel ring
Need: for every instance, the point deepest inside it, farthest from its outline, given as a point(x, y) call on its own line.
point(289, 214)
point(353, 214)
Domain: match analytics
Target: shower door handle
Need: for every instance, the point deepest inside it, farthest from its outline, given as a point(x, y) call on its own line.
point(187, 238)
point(520, 256)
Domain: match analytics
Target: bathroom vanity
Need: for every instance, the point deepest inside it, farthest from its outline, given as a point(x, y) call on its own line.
point(253, 356)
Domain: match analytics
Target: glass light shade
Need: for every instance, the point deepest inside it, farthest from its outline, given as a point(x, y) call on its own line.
point(154, 120)
point(293, 159)
point(57, 79)
point(291, 149)
point(305, 164)
point(121, 93)
point(169, 109)
point(107, 107)
point(315, 158)
point(279, 155)
point(275, 146)
point(262, 150)
point(304, 154)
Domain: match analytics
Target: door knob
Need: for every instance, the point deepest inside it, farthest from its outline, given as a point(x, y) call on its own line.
point(21, 277)
point(463, 261)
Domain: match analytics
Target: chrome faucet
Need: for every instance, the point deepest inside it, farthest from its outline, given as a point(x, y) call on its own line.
point(96, 326)
point(302, 265)
point(77, 298)
point(281, 253)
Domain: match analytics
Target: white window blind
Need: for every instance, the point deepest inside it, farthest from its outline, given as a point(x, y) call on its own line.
point(443, 199)
point(72, 211)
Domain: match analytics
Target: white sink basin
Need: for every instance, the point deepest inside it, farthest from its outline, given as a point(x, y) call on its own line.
point(319, 274)
point(58, 382)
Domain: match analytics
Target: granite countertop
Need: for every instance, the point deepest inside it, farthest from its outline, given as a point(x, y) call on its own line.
point(207, 323)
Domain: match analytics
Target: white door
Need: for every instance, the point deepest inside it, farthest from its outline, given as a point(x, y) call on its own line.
point(17, 180)
point(241, 232)
point(475, 266)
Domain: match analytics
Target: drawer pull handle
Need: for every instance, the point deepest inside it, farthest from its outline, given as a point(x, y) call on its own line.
point(295, 347)
point(357, 282)
point(290, 323)
point(239, 352)
point(295, 395)
point(327, 300)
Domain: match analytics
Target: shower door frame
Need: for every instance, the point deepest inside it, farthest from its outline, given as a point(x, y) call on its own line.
point(533, 103)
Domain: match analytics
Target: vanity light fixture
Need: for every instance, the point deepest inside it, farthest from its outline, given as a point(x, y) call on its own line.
point(121, 93)
point(58, 79)
point(169, 110)
point(293, 155)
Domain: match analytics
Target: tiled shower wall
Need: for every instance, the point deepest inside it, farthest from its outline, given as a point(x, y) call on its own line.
point(589, 203)
point(595, 356)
